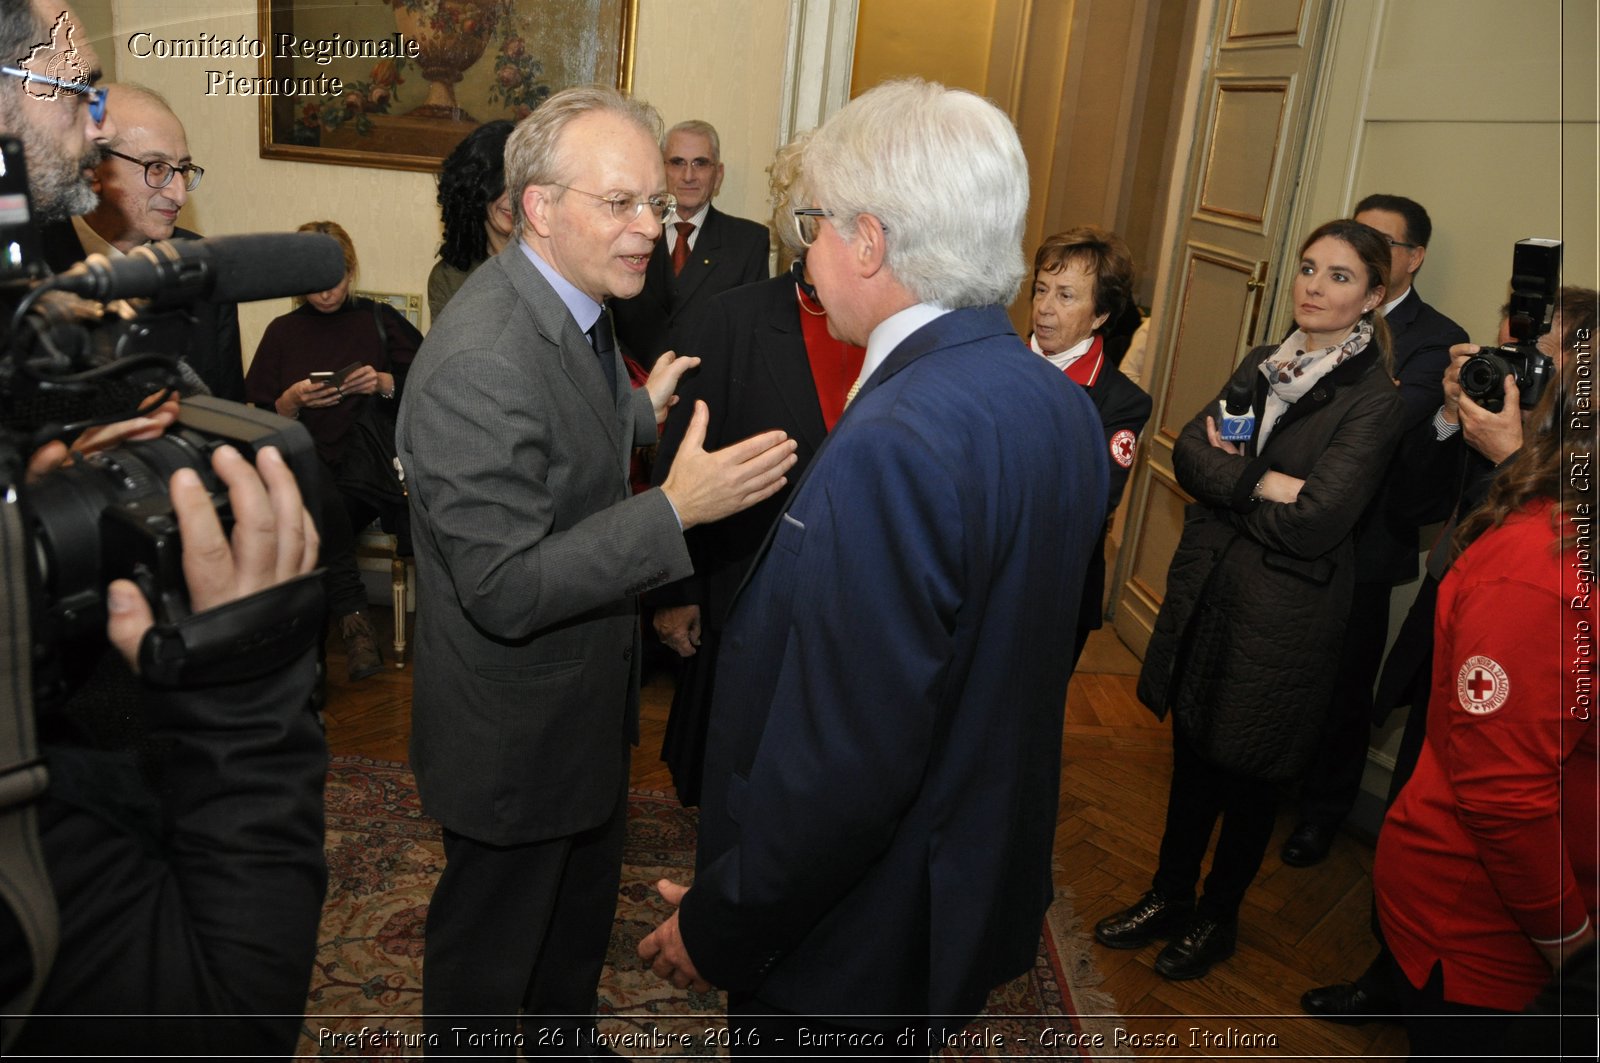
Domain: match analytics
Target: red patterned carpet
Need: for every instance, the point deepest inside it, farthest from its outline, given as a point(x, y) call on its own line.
point(383, 858)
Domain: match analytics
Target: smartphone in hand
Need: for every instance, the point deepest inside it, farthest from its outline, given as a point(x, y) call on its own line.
point(334, 378)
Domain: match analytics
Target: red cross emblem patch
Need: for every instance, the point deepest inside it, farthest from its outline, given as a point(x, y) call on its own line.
point(1482, 686)
point(1122, 448)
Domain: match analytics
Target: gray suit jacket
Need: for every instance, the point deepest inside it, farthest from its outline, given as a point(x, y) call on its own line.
point(530, 554)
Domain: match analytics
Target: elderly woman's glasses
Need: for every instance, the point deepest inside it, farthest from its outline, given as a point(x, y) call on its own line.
point(158, 174)
point(95, 97)
point(626, 208)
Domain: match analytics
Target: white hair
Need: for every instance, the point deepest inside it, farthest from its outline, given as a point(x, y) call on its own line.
point(944, 172)
point(699, 128)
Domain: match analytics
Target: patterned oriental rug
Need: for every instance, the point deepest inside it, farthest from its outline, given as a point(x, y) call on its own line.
point(384, 856)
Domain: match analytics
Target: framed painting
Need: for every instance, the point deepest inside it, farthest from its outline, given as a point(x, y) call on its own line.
point(396, 84)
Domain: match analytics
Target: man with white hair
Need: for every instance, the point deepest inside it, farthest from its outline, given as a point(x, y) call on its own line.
point(881, 780)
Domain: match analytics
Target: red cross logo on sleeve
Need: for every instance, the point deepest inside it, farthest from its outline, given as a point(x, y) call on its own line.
point(1482, 685)
point(1122, 444)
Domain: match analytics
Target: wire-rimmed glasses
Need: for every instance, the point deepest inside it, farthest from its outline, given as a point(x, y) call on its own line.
point(625, 207)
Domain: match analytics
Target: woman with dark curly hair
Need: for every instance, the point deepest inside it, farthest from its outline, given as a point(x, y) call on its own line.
point(475, 209)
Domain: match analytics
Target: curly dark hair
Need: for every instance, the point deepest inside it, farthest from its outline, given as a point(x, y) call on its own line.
point(471, 178)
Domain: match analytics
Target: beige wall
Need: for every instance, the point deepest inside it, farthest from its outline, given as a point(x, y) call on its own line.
point(1481, 110)
point(391, 214)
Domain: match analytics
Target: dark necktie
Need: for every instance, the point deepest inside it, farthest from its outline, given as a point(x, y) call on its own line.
point(680, 250)
point(604, 343)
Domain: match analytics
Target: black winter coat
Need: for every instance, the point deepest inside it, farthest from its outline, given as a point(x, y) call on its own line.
point(1248, 638)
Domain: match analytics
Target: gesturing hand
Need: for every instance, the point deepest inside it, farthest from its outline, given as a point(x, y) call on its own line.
point(706, 486)
point(663, 381)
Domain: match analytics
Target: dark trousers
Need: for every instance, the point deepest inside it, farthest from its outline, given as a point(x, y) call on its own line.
point(340, 518)
point(521, 928)
point(1202, 793)
point(1333, 781)
point(1442, 1029)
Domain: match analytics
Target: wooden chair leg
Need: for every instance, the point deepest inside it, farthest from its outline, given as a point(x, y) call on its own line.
point(397, 574)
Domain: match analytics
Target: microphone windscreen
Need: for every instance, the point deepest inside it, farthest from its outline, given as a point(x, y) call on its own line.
point(272, 265)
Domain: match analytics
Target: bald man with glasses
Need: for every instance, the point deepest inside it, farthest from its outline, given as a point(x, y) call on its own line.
point(144, 178)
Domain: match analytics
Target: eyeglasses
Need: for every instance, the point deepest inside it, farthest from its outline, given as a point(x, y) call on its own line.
point(158, 174)
point(678, 162)
point(808, 222)
point(96, 97)
point(1402, 243)
point(626, 208)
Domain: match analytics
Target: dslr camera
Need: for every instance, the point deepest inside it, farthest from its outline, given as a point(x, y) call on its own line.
point(96, 345)
point(1535, 278)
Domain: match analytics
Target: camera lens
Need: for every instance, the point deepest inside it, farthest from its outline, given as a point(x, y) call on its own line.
point(69, 508)
point(1481, 376)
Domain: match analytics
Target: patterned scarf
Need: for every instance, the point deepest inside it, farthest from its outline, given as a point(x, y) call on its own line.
point(1291, 370)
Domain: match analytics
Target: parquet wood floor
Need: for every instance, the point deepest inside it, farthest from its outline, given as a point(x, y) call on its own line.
point(1299, 928)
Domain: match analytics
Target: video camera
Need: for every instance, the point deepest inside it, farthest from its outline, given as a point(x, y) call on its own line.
point(85, 348)
point(1535, 279)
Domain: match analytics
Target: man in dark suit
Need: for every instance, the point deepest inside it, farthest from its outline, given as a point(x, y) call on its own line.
point(515, 432)
point(144, 179)
point(701, 251)
point(1386, 541)
point(881, 779)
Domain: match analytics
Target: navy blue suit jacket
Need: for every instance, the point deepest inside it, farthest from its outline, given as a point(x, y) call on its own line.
point(881, 779)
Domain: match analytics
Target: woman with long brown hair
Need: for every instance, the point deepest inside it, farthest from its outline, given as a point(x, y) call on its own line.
point(1487, 867)
point(1248, 636)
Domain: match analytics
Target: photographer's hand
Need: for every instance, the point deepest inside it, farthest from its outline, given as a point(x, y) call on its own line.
point(1452, 380)
point(273, 540)
point(1496, 436)
point(150, 425)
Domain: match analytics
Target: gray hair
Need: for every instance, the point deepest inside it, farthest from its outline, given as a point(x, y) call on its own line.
point(698, 128)
point(533, 155)
point(944, 172)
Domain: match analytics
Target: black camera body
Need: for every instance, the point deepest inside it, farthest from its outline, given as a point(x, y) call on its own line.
point(1535, 279)
point(90, 347)
point(109, 516)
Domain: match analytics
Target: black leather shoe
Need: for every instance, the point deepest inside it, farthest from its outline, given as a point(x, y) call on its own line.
point(1308, 845)
point(1205, 942)
point(1152, 916)
point(1350, 1003)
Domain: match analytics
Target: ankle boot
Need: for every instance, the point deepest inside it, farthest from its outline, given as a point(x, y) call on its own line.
point(362, 656)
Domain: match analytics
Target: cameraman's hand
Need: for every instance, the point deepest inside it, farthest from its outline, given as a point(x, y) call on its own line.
point(1452, 380)
point(149, 425)
point(273, 540)
point(1496, 436)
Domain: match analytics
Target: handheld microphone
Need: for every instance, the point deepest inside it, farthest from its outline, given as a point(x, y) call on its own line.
point(225, 269)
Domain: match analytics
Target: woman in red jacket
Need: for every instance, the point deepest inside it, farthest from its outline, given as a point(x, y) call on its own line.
point(1487, 865)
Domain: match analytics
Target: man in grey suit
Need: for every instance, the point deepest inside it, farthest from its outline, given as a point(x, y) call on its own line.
point(515, 433)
